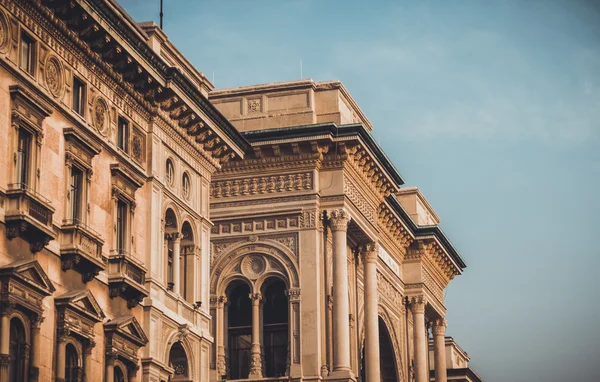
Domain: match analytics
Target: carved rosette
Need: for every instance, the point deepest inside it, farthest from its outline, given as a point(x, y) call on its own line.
point(253, 266)
point(4, 34)
point(53, 74)
point(100, 116)
point(339, 219)
point(370, 252)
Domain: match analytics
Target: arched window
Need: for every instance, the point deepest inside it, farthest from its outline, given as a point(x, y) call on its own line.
point(72, 369)
point(239, 330)
point(170, 229)
point(18, 345)
point(186, 186)
point(119, 376)
point(170, 172)
point(275, 328)
point(178, 362)
point(187, 262)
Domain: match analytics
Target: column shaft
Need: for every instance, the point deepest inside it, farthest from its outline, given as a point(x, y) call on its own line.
point(4, 345)
point(61, 355)
point(35, 349)
point(341, 320)
point(439, 350)
point(420, 341)
point(220, 337)
point(371, 314)
point(256, 361)
point(110, 368)
point(176, 263)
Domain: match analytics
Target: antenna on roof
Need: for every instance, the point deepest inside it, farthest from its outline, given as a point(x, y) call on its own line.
point(161, 14)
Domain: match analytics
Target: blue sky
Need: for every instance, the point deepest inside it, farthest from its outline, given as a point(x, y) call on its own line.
point(492, 109)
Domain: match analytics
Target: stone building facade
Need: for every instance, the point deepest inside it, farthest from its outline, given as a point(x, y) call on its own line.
point(338, 269)
point(154, 229)
point(107, 152)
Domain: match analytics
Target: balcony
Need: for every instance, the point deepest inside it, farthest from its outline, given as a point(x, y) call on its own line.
point(126, 277)
point(29, 216)
point(81, 249)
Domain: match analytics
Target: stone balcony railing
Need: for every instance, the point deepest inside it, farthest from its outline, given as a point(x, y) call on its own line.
point(126, 277)
point(29, 216)
point(81, 249)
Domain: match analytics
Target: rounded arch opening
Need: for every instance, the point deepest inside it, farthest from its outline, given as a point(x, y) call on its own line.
point(387, 359)
point(171, 231)
point(275, 323)
point(186, 265)
point(119, 376)
point(239, 329)
point(73, 372)
point(17, 348)
point(178, 361)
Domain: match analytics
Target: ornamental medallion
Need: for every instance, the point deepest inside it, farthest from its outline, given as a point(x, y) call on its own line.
point(4, 34)
point(99, 116)
point(54, 76)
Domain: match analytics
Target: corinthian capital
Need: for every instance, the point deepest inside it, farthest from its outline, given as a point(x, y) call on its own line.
point(417, 304)
point(438, 327)
point(338, 219)
point(370, 252)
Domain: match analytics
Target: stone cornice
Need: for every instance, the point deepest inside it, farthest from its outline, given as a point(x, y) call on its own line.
point(151, 82)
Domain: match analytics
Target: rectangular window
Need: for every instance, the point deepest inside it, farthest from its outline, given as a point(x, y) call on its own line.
point(76, 194)
point(123, 135)
point(122, 208)
point(23, 155)
point(78, 96)
point(27, 57)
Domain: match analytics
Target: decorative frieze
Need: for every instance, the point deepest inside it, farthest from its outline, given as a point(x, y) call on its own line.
point(258, 225)
point(388, 291)
point(262, 185)
point(359, 201)
point(289, 240)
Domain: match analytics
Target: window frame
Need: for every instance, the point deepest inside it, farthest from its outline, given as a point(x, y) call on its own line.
point(78, 103)
point(170, 180)
point(188, 194)
point(29, 65)
point(123, 134)
point(122, 225)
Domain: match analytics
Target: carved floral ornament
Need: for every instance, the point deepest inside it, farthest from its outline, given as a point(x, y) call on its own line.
point(4, 34)
point(54, 77)
point(253, 266)
point(338, 219)
point(370, 252)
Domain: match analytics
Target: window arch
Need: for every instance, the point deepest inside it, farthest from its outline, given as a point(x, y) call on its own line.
point(17, 371)
point(119, 376)
point(178, 362)
point(72, 369)
point(188, 258)
point(171, 232)
point(186, 186)
point(275, 327)
point(169, 172)
point(239, 330)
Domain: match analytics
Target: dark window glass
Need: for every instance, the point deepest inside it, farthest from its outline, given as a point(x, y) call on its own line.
point(121, 225)
point(76, 193)
point(23, 154)
point(27, 58)
point(72, 369)
point(119, 377)
point(16, 371)
point(78, 96)
point(123, 135)
point(239, 330)
point(275, 329)
point(178, 362)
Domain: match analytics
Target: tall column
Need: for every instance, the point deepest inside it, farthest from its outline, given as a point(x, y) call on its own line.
point(417, 306)
point(439, 349)
point(61, 356)
point(226, 333)
point(36, 324)
point(220, 315)
point(338, 219)
point(109, 375)
point(370, 254)
point(87, 360)
point(256, 362)
point(176, 262)
point(5, 341)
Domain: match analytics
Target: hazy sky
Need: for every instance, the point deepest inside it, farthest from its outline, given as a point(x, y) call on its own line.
point(491, 108)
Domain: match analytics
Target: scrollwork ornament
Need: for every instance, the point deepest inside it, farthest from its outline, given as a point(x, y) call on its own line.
point(4, 34)
point(253, 266)
point(53, 74)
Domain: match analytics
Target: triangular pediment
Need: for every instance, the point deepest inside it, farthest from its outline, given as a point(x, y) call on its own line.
point(31, 273)
point(127, 327)
point(83, 302)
